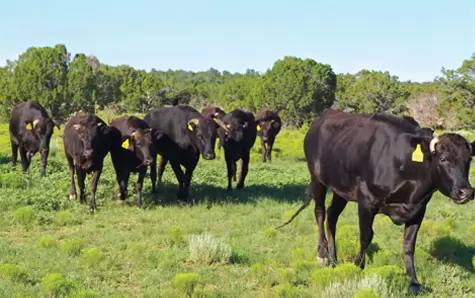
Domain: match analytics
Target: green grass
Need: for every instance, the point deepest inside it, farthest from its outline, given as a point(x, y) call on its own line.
point(52, 246)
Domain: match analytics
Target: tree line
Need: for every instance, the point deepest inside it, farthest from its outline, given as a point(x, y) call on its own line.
point(299, 89)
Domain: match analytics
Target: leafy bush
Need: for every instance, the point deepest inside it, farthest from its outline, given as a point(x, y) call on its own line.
point(288, 291)
point(65, 218)
point(25, 216)
point(366, 293)
point(57, 285)
point(206, 249)
point(394, 276)
point(347, 243)
point(176, 236)
point(12, 180)
point(92, 256)
point(73, 246)
point(186, 282)
point(13, 272)
point(46, 241)
point(322, 277)
point(270, 232)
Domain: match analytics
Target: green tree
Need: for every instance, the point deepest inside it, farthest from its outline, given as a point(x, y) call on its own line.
point(81, 85)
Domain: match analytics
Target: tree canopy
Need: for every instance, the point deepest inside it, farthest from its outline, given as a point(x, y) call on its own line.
point(299, 89)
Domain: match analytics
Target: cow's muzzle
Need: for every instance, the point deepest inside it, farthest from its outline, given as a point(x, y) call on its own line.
point(464, 195)
point(209, 156)
point(148, 161)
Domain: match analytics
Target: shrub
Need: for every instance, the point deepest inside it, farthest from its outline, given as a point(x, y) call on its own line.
point(186, 282)
point(91, 256)
point(57, 285)
point(288, 291)
point(46, 241)
point(382, 257)
point(73, 246)
point(324, 276)
point(366, 293)
point(176, 236)
point(12, 180)
point(285, 276)
point(65, 218)
point(394, 276)
point(206, 249)
point(270, 232)
point(25, 216)
point(347, 243)
point(13, 272)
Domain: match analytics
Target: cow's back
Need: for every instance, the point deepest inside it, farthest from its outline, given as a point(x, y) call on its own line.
point(26, 111)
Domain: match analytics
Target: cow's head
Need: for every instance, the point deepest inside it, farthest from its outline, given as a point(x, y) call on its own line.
point(233, 129)
point(268, 128)
point(203, 135)
point(41, 130)
point(141, 143)
point(90, 134)
point(451, 157)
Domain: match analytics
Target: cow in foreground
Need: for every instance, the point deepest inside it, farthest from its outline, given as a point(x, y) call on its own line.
point(131, 151)
point(387, 165)
point(268, 126)
point(86, 143)
point(238, 135)
point(187, 134)
point(31, 129)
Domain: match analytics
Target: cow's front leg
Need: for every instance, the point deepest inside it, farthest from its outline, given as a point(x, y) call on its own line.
point(366, 218)
point(410, 235)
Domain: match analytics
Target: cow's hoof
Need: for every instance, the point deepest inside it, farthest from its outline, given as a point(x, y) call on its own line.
point(415, 289)
point(322, 261)
point(73, 197)
point(240, 186)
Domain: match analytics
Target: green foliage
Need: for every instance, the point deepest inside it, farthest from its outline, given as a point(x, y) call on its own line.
point(73, 246)
point(288, 291)
point(92, 256)
point(46, 242)
point(186, 282)
point(206, 249)
point(366, 293)
point(57, 285)
point(65, 218)
point(13, 272)
point(25, 216)
point(12, 180)
point(322, 277)
point(394, 276)
point(176, 236)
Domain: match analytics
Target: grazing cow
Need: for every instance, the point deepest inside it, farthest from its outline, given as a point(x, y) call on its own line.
point(212, 111)
point(238, 135)
point(268, 126)
point(132, 151)
point(387, 165)
point(187, 134)
point(30, 131)
point(87, 140)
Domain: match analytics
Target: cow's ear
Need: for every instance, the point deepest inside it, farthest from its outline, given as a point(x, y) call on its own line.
point(56, 123)
point(126, 144)
point(193, 123)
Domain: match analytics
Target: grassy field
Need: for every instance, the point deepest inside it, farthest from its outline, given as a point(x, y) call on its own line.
point(223, 246)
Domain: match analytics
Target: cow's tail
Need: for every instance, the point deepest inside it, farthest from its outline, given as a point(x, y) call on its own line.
point(308, 198)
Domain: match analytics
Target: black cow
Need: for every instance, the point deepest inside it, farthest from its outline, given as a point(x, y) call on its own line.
point(268, 126)
point(87, 140)
point(30, 131)
point(212, 111)
point(387, 165)
point(186, 135)
point(132, 151)
point(238, 135)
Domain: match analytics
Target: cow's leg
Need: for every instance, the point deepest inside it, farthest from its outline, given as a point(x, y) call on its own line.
point(269, 148)
point(244, 170)
point(123, 180)
point(188, 175)
point(25, 160)
point(14, 152)
point(234, 168)
point(161, 168)
point(153, 174)
point(81, 175)
point(366, 217)
point(334, 210)
point(72, 189)
point(230, 166)
point(95, 179)
point(410, 235)
point(180, 177)
point(319, 191)
point(264, 151)
point(44, 160)
point(139, 186)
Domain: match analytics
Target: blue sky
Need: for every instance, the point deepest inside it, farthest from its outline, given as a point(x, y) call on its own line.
point(411, 39)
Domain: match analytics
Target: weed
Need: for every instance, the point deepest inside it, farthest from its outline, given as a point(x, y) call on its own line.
point(92, 256)
point(13, 272)
point(57, 285)
point(25, 216)
point(176, 236)
point(186, 282)
point(65, 218)
point(73, 246)
point(46, 242)
point(206, 249)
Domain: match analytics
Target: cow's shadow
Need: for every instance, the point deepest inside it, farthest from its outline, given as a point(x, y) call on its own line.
point(453, 250)
point(210, 194)
point(5, 159)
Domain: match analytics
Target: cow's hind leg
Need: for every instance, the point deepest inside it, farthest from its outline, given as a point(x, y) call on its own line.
point(72, 189)
point(333, 212)
point(161, 168)
point(180, 176)
point(153, 174)
point(366, 218)
point(139, 186)
point(25, 160)
point(319, 191)
point(14, 152)
point(244, 170)
point(95, 180)
point(81, 175)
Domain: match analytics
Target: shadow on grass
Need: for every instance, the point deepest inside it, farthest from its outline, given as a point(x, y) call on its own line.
point(209, 194)
point(5, 159)
point(453, 250)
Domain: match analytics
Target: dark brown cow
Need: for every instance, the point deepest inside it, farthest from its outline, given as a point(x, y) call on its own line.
point(212, 111)
point(31, 129)
point(132, 151)
point(387, 165)
point(86, 143)
point(268, 126)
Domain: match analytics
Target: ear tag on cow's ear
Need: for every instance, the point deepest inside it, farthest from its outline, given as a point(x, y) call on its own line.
point(417, 155)
point(190, 127)
point(28, 126)
point(258, 127)
point(125, 144)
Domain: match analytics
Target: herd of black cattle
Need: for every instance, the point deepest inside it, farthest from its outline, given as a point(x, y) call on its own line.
point(387, 164)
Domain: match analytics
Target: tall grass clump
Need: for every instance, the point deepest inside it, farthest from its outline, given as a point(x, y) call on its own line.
point(206, 249)
point(57, 285)
point(73, 246)
point(25, 216)
point(14, 273)
point(186, 282)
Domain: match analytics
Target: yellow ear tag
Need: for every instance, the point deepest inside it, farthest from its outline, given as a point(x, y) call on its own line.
point(28, 126)
point(417, 155)
point(258, 127)
point(190, 127)
point(125, 144)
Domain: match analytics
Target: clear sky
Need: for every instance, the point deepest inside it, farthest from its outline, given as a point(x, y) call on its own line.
point(411, 39)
